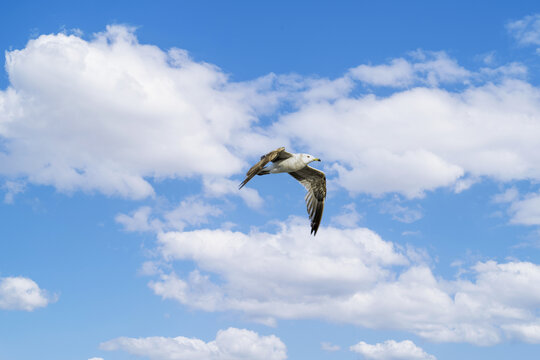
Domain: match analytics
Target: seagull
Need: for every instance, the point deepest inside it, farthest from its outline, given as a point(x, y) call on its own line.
point(297, 166)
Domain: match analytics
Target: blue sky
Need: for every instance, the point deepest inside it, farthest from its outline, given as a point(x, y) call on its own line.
point(125, 130)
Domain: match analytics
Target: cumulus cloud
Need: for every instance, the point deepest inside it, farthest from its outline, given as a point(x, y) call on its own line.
point(230, 344)
point(110, 114)
point(350, 276)
point(391, 350)
point(426, 137)
point(20, 293)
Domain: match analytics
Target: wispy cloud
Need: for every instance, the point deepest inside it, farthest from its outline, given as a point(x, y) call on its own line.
point(526, 30)
point(326, 346)
point(189, 212)
point(424, 68)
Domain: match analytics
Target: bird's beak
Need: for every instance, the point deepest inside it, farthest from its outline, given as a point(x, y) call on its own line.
point(317, 159)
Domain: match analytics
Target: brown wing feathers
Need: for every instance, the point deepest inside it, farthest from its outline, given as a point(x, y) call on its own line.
point(265, 159)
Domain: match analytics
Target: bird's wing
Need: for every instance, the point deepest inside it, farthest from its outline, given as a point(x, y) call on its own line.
point(282, 155)
point(278, 154)
point(315, 183)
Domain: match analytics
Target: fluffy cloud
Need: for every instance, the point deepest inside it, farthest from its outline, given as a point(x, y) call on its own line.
point(425, 137)
point(20, 293)
point(290, 269)
point(230, 344)
point(108, 114)
point(391, 350)
point(350, 276)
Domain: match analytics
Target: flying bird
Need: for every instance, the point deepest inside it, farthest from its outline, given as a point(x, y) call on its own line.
point(297, 166)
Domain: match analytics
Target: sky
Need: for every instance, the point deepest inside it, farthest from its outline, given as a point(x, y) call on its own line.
point(126, 128)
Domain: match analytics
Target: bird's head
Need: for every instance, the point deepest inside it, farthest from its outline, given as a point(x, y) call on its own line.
point(309, 158)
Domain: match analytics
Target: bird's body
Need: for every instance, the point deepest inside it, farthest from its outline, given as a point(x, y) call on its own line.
point(294, 163)
point(297, 166)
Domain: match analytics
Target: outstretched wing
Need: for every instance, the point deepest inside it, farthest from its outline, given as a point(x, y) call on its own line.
point(276, 155)
point(315, 183)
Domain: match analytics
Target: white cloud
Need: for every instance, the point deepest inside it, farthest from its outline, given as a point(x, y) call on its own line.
point(350, 276)
point(391, 350)
point(12, 188)
point(191, 211)
point(217, 187)
point(528, 332)
point(401, 213)
point(348, 218)
point(430, 68)
point(526, 211)
point(326, 346)
point(110, 114)
point(341, 260)
point(522, 209)
point(513, 69)
point(509, 195)
point(230, 344)
point(95, 358)
point(398, 73)
point(20, 293)
point(422, 139)
point(139, 220)
point(526, 30)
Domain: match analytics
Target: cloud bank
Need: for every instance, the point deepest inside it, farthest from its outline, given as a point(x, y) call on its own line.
point(111, 115)
point(350, 276)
